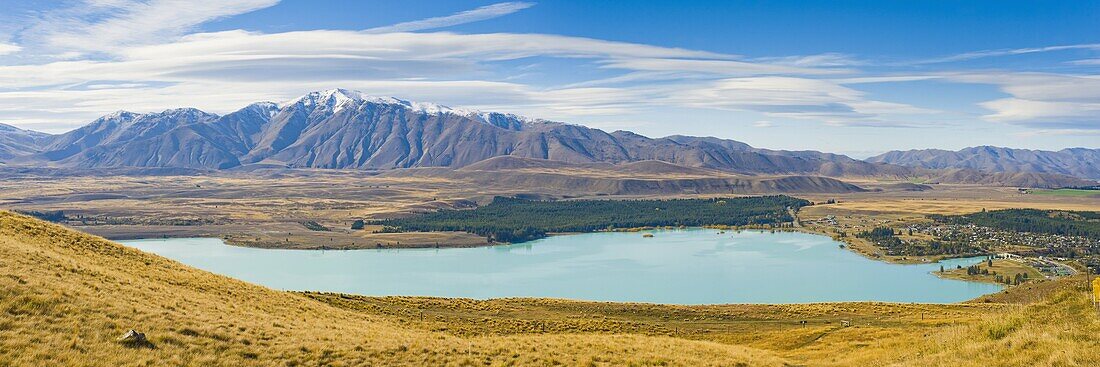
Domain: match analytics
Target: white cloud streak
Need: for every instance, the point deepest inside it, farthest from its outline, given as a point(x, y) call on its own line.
point(7, 48)
point(245, 67)
point(469, 16)
point(1042, 100)
point(166, 67)
point(100, 26)
point(1008, 52)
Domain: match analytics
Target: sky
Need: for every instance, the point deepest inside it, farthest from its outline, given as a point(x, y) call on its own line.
point(851, 77)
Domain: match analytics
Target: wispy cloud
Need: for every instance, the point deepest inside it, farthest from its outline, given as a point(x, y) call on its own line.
point(468, 16)
point(246, 66)
point(104, 26)
point(145, 56)
point(7, 48)
point(763, 123)
point(831, 59)
point(1041, 100)
point(1007, 52)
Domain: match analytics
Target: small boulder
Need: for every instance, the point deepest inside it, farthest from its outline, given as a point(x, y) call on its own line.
point(135, 339)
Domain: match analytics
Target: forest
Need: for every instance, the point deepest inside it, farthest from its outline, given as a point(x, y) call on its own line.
point(516, 220)
point(1059, 222)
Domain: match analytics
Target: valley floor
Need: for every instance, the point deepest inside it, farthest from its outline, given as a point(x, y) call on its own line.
point(65, 297)
point(271, 210)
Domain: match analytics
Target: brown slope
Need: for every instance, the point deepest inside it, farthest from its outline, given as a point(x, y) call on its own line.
point(16, 142)
point(1077, 162)
point(636, 178)
point(66, 296)
point(1018, 179)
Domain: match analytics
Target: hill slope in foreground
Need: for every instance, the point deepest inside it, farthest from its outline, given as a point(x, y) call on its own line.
point(65, 297)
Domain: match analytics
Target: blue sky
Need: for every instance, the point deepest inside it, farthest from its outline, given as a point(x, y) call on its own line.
point(854, 77)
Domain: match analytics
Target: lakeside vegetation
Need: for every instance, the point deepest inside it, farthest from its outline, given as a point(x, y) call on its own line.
point(517, 220)
point(67, 297)
point(1058, 222)
point(888, 239)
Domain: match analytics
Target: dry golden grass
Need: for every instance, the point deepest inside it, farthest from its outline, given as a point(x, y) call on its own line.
point(881, 333)
point(1004, 268)
point(65, 297)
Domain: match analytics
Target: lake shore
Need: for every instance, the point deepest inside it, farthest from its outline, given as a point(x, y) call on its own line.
point(753, 266)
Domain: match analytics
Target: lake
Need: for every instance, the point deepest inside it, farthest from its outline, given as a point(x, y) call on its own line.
point(687, 266)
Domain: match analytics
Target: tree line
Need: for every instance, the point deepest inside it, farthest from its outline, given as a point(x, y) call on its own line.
point(1059, 222)
point(515, 220)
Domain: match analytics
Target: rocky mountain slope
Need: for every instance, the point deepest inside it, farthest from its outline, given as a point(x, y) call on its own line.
point(344, 129)
point(16, 142)
point(650, 177)
point(1077, 162)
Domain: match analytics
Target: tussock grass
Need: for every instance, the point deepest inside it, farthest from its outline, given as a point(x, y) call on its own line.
point(65, 298)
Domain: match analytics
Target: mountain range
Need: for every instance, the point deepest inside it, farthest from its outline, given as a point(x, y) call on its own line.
point(1077, 162)
point(15, 142)
point(342, 129)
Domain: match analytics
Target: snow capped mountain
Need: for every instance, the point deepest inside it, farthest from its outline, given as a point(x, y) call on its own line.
point(122, 127)
point(336, 100)
point(345, 129)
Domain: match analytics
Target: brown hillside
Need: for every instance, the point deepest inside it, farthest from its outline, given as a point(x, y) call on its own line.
point(65, 297)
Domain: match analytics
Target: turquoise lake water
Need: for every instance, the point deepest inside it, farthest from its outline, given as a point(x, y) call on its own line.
point(689, 266)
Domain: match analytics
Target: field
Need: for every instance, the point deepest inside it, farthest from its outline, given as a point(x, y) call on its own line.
point(1067, 192)
point(1007, 268)
point(854, 213)
point(267, 209)
point(66, 297)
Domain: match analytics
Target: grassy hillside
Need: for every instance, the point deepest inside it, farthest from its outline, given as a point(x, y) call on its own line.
point(66, 297)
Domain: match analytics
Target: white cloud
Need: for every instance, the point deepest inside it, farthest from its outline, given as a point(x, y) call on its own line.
point(763, 123)
point(1008, 52)
point(831, 59)
point(225, 70)
point(716, 67)
point(1058, 132)
point(791, 97)
point(1086, 62)
point(7, 48)
point(469, 16)
point(1042, 100)
point(109, 26)
point(148, 62)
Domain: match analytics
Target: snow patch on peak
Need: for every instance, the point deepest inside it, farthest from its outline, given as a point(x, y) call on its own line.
point(269, 109)
point(187, 111)
point(120, 114)
point(338, 99)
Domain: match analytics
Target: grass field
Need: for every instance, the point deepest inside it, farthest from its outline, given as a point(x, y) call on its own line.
point(1006, 268)
point(266, 209)
point(65, 297)
point(1068, 192)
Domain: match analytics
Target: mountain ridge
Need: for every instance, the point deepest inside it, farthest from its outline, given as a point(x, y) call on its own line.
point(343, 129)
point(1077, 162)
